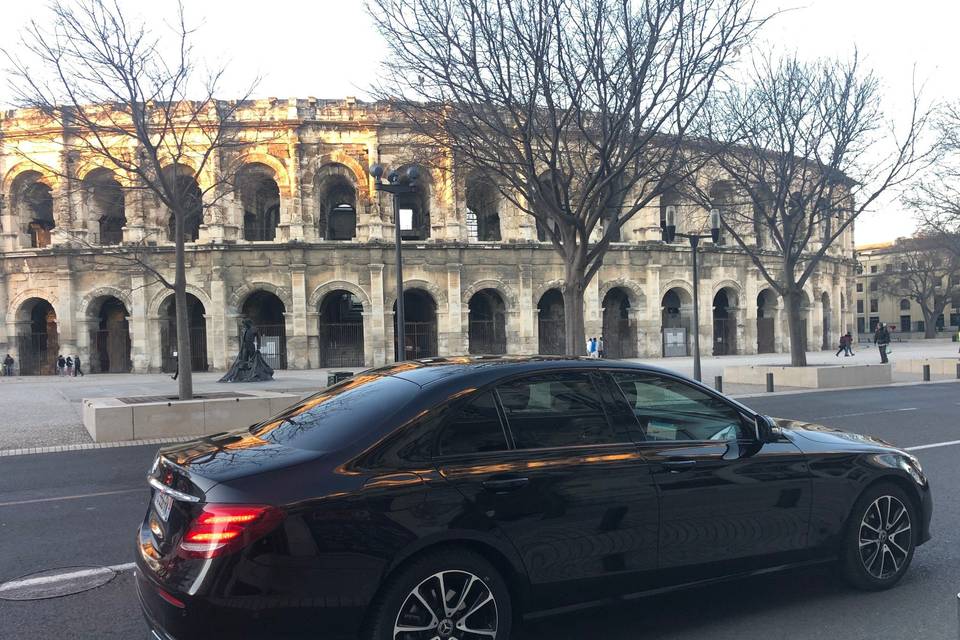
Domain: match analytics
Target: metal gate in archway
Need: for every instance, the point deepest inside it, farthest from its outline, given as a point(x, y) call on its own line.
point(421, 338)
point(342, 344)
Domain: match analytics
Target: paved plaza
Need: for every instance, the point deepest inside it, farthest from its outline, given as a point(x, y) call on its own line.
point(44, 411)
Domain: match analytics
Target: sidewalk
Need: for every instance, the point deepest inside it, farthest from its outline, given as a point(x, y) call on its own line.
point(44, 411)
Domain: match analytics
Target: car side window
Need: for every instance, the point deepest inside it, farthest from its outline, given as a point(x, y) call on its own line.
point(669, 410)
point(555, 410)
point(474, 428)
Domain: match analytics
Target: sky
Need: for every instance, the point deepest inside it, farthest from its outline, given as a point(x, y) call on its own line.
point(329, 49)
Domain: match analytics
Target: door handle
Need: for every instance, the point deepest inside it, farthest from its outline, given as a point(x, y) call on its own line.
point(676, 466)
point(505, 484)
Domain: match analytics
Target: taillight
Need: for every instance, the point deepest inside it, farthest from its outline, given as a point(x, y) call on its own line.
point(224, 528)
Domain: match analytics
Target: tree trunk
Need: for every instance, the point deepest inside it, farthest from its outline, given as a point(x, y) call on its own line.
point(929, 324)
point(574, 285)
point(184, 355)
point(795, 316)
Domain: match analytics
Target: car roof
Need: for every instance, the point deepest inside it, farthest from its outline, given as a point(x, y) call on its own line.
point(479, 368)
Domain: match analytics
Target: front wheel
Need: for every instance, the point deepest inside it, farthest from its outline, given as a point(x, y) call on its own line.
point(880, 539)
point(450, 595)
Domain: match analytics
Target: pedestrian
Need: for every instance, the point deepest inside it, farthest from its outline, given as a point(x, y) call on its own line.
point(8, 365)
point(61, 365)
point(69, 367)
point(77, 371)
point(601, 350)
point(882, 340)
point(849, 351)
point(843, 348)
point(176, 366)
point(592, 347)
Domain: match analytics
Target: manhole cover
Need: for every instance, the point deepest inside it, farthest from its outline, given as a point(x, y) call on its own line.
point(54, 583)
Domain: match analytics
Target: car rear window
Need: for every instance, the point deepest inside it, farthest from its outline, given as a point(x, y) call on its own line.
point(337, 416)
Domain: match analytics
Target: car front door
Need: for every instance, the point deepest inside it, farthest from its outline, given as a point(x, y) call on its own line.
point(727, 502)
point(572, 494)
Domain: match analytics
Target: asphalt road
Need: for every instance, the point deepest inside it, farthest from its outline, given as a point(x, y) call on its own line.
point(41, 527)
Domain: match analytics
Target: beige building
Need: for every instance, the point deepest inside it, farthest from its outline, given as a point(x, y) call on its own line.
point(874, 304)
point(303, 247)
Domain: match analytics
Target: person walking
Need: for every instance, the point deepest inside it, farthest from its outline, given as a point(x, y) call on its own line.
point(849, 349)
point(69, 367)
point(882, 340)
point(77, 371)
point(61, 365)
point(8, 365)
point(601, 350)
point(843, 347)
point(592, 347)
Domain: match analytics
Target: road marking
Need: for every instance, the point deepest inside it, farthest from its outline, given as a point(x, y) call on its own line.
point(63, 577)
point(932, 446)
point(75, 497)
point(864, 413)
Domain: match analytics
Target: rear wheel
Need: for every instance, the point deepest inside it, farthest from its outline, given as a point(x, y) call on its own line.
point(446, 595)
point(880, 538)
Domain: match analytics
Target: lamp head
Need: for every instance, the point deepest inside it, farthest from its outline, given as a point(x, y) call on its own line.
point(377, 171)
point(715, 225)
point(393, 177)
point(413, 173)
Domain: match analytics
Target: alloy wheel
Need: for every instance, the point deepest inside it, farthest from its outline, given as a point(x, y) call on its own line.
point(449, 605)
point(885, 537)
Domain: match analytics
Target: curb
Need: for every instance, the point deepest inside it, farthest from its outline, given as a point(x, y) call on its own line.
point(794, 392)
point(94, 445)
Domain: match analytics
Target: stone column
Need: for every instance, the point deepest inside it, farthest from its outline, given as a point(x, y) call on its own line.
point(297, 340)
point(137, 324)
point(66, 326)
point(217, 341)
point(456, 336)
point(376, 345)
point(649, 334)
point(592, 312)
point(526, 322)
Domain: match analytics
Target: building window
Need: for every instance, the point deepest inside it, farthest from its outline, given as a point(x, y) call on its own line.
point(887, 268)
point(905, 323)
point(859, 306)
point(874, 321)
point(873, 306)
point(921, 325)
point(955, 319)
point(861, 325)
point(905, 305)
point(873, 268)
point(859, 287)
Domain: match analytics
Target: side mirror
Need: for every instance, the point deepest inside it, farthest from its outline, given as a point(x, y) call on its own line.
point(763, 430)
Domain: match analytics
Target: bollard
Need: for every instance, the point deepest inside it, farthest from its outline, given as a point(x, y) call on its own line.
point(958, 371)
point(926, 373)
point(718, 382)
point(770, 383)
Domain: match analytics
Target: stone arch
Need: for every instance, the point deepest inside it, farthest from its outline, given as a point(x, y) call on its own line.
point(505, 291)
point(361, 179)
point(93, 165)
point(153, 309)
point(731, 285)
point(313, 302)
point(242, 293)
point(279, 169)
point(683, 285)
point(544, 287)
point(47, 176)
point(439, 295)
point(103, 292)
point(16, 305)
point(635, 292)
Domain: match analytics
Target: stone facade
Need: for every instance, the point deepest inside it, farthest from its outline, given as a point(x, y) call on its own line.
point(304, 247)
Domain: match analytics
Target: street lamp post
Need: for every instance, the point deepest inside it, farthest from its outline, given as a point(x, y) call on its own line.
point(669, 226)
point(396, 185)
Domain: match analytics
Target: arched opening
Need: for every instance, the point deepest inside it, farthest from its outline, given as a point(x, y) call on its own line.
point(766, 321)
point(187, 191)
point(197, 326)
point(336, 203)
point(38, 341)
point(550, 324)
point(32, 201)
point(341, 330)
point(105, 205)
point(674, 323)
point(826, 314)
point(619, 331)
point(487, 323)
point(110, 337)
point(265, 310)
point(419, 326)
point(724, 323)
point(414, 209)
point(260, 199)
point(483, 219)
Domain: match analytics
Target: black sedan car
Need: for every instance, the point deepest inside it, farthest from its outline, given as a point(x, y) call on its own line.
point(447, 498)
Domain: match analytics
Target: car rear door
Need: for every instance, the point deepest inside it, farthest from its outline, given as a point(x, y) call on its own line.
point(727, 503)
point(569, 491)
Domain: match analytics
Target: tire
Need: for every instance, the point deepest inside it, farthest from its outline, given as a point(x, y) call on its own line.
point(466, 609)
point(884, 521)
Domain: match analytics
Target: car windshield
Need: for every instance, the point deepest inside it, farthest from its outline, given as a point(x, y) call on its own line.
point(328, 420)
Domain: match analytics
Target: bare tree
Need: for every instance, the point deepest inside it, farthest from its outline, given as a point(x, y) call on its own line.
point(927, 272)
point(579, 110)
point(807, 150)
point(139, 106)
point(936, 195)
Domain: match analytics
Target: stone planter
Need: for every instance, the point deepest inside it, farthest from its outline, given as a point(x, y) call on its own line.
point(812, 377)
point(938, 366)
point(145, 417)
